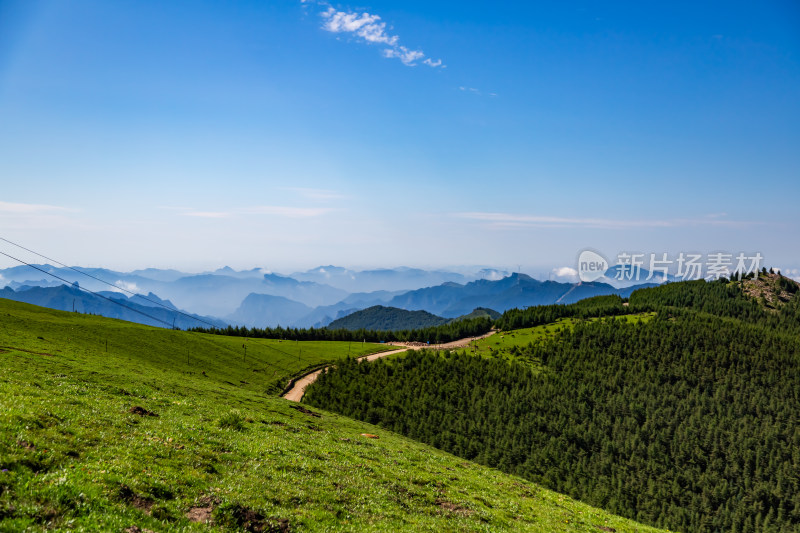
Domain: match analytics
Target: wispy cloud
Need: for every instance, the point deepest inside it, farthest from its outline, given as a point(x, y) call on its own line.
point(207, 214)
point(476, 92)
point(408, 57)
point(39, 217)
point(370, 29)
point(32, 209)
point(273, 210)
point(516, 220)
point(284, 211)
point(316, 194)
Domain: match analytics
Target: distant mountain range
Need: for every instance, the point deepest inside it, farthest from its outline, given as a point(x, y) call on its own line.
point(315, 298)
point(516, 290)
point(386, 279)
point(114, 305)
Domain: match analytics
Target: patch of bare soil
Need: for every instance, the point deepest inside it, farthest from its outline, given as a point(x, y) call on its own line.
point(203, 510)
point(306, 411)
point(255, 522)
point(142, 503)
point(200, 514)
point(453, 508)
point(141, 411)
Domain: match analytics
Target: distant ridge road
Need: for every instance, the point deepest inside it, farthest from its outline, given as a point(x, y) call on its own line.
point(295, 394)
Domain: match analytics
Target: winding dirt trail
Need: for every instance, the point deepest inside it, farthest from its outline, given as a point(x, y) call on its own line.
point(295, 394)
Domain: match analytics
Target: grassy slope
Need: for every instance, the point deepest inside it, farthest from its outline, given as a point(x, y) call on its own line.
point(500, 343)
point(72, 455)
point(82, 339)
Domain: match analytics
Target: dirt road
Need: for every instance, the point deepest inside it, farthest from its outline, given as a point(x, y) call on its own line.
point(295, 394)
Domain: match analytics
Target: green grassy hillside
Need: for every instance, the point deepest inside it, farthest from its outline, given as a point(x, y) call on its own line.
point(512, 343)
point(135, 439)
point(87, 341)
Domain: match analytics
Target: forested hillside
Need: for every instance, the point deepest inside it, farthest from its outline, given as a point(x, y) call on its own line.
point(453, 330)
point(381, 318)
point(686, 421)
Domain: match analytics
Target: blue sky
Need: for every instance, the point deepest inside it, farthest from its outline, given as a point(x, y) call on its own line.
point(289, 134)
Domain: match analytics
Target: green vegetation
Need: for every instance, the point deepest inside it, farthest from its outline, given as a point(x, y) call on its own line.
point(448, 332)
point(685, 419)
point(382, 318)
point(547, 314)
point(259, 365)
point(480, 312)
point(134, 438)
point(512, 343)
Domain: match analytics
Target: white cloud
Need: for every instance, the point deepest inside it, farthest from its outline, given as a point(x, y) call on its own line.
point(284, 211)
point(476, 92)
point(565, 272)
point(276, 210)
point(372, 30)
point(364, 25)
point(124, 286)
point(30, 209)
point(207, 214)
point(174, 208)
point(408, 57)
point(514, 220)
point(30, 217)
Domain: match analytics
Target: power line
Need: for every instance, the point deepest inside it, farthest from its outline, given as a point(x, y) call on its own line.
point(89, 291)
point(274, 365)
point(279, 367)
point(117, 302)
point(101, 281)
